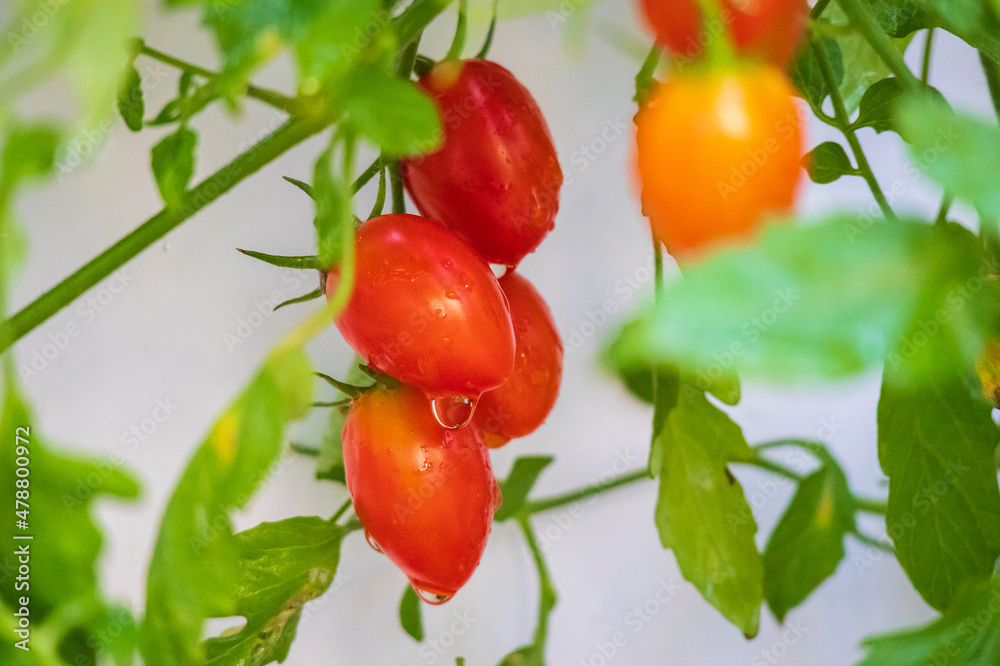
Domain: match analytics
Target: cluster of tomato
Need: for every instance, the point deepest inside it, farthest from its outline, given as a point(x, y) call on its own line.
point(476, 361)
point(720, 141)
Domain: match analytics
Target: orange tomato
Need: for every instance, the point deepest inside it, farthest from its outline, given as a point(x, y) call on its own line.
point(718, 150)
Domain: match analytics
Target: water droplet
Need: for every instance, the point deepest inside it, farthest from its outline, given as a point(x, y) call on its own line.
point(453, 411)
point(430, 597)
point(497, 496)
point(372, 542)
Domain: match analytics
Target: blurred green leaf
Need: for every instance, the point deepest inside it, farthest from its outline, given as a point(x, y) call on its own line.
point(410, 615)
point(702, 514)
point(973, 22)
point(29, 152)
point(936, 445)
point(393, 114)
point(518, 484)
point(130, 100)
point(808, 542)
point(967, 634)
point(822, 300)
point(960, 153)
point(900, 18)
point(827, 162)
point(196, 567)
point(173, 164)
point(282, 566)
point(337, 37)
point(877, 109)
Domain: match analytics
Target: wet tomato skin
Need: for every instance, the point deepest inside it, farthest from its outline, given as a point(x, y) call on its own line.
point(524, 401)
point(495, 179)
point(426, 309)
point(768, 29)
point(717, 151)
point(425, 494)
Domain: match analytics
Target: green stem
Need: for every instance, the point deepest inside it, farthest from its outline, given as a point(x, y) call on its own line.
point(546, 592)
point(925, 66)
point(843, 121)
point(818, 10)
point(290, 134)
point(942, 216)
point(274, 98)
point(862, 18)
point(341, 511)
point(461, 32)
point(572, 497)
point(411, 23)
point(992, 72)
point(379, 206)
point(644, 81)
point(719, 49)
point(874, 543)
point(488, 42)
point(396, 180)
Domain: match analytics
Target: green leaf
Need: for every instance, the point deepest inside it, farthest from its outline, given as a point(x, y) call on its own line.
point(393, 114)
point(410, 616)
point(196, 567)
point(518, 484)
point(282, 566)
point(807, 76)
point(936, 445)
point(808, 543)
point(820, 300)
point(29, 152)
point(968, 634)
point(880, 105)
point(702, 514)
point(960, 153)
point(130, 100)
point(973, 22)
point(827, 162)
point(173, 164)
point(900, 18)
point(336, 39)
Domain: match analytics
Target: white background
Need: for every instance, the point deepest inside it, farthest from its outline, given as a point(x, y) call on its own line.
point(162, 338)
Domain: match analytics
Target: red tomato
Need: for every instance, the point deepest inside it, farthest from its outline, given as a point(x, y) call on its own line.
point(495, 180)
point(717, 150)
point(524, 401)
point(426, 309)
point(425, 495)
point(767, 29)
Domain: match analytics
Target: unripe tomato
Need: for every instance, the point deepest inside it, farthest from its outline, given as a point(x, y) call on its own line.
point(523, 402)
point(425, 495)
point(495, 179)
point(426, 309)
point(767, 29)
point(717, 150)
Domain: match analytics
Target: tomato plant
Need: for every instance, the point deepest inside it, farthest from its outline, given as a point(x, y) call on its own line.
point(761, 379)
point(495, 179)
point(426, 495)
point(742, 135)
point(767, 29)
point(521, 404)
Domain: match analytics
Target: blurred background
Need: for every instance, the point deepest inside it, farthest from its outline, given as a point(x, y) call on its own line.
point(167, 343)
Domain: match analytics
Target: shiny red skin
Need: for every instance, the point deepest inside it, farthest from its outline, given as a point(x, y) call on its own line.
point(426, 309)
point(768, 29)
point(524, 401)
point(495, 179)
point(425, 494)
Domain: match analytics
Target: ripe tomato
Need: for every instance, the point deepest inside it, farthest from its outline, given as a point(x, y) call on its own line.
point(426, 309)
point(523, 402)
point(495, 179)
point(768, 29)
point(717, 149)
point(425, 495)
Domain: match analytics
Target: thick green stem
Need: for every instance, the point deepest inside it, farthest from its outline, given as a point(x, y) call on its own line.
point(818, 9)
point(843, 121)
point(862, 18)
point(290, 134)
point(546, 592)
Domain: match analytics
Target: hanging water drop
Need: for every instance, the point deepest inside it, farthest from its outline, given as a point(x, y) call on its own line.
point(372, 542)
point(430, 597)
point(453, 411)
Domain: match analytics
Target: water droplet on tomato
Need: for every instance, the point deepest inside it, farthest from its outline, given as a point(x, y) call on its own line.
point(430, 597)
point(372, 542)
point(453, 411)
